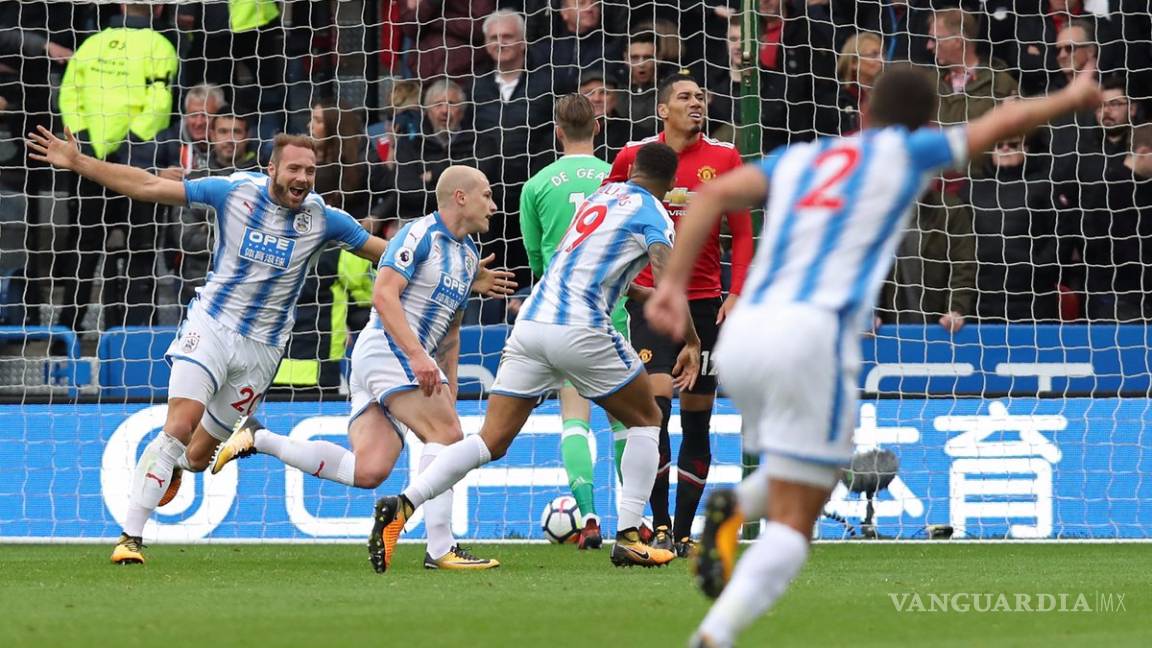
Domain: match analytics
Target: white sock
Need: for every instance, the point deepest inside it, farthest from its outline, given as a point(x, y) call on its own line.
point(453, 464)
point(438, 510)
point(761, 576)
point(752, 494)
point(182, 463)
point(150, 480)
point(322, 459)
point(638, 465)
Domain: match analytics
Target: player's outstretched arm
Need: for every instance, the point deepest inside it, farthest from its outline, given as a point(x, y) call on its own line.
point(386, 300)
point(1017, 117)
point(126, 180)
point(448, 354)
point(372, 249)
point(493, 282)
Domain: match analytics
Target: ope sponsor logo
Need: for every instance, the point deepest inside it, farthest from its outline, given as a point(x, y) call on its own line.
point(985, 602)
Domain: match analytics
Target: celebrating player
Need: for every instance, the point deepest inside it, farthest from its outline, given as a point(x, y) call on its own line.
point(564, 331)
point(789, 355)
point(547, 204)
point(268, 229)
point(420, 290)
point(681, 106)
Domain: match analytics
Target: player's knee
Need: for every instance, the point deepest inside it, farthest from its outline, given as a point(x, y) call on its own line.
point(370, 476)
point(649, 415)
point(445, 433)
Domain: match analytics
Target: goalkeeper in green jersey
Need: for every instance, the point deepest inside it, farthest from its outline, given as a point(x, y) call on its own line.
point(548, 202)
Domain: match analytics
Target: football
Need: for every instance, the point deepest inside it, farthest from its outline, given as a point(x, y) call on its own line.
point(561, 520)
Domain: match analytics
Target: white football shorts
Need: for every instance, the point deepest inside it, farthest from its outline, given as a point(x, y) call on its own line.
point(792, 370)
point(379, 371)
point(218, 367)
point(539, 357)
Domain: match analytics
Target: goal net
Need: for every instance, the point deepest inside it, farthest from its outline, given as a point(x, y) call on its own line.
point(1005, 384)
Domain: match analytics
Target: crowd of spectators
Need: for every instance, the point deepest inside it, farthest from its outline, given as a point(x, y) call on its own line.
point(1056, 226)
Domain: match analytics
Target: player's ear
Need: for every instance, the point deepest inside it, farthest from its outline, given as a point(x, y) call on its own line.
point(595, 127)
point(662, 111)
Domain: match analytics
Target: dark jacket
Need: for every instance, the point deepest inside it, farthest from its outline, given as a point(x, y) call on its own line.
point(799, 93)
point(569, 55)
point(410, 194)
point(449, 37)
point(1015, 226)
point(522, 125)
point(1116, 234)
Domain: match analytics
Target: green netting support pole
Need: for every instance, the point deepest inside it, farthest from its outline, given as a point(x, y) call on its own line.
point(749, 135)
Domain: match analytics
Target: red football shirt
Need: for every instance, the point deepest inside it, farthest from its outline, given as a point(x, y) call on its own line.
point(699, 163)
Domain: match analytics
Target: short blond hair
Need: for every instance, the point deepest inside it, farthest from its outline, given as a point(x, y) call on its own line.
point(846, 58)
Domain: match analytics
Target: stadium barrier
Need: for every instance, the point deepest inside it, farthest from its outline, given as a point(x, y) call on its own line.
point(1017, 468)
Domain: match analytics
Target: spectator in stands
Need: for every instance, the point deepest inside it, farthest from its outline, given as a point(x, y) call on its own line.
point(969, 85)
point(448, 36)
point(231, 145)
point(240, 45)
point(341, 157)
point(106, 112)
point(859, 63)
point(1018, 271)
point(638, 102)
point(1070, 135)
point(183, 148)
point(514, 104)
point(724, 87)
point(231, 149)
point(443, 142)
point(1116, 223)
point(579, 42)
point(934, 277)
point(798, 83)
point(615, 131)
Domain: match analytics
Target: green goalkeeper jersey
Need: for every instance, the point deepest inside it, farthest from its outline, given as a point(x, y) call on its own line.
point(548, 202)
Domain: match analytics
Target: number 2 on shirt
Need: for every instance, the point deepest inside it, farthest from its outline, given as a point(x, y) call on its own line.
point(586, 221)
point(823, 195)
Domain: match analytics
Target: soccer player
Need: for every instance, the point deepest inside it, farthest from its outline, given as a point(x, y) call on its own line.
point(547, 204)
point(789, 355)
point(564, 331)
point(681, 106)
point(421, 288)
point(227, 349)
point(226, 352)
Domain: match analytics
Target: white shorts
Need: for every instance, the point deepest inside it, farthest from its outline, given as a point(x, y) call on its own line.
point(792, 371)
point(539, 357)
point(378, 371)
point(217, 366)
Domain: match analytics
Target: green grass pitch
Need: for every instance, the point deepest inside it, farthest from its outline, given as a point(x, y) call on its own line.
point(549, 596)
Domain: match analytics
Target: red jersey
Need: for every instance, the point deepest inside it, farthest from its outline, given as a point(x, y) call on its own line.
point(699, 163)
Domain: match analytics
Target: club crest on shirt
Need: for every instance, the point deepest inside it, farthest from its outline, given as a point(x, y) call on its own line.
point(469, 264)
point(303, 223)
point(190, 342)
point(706, 173)
point(645, 355)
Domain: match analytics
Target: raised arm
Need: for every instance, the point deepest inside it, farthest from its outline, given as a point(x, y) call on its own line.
point(126, 180)
point(1017, 117)
point(386, 293)
point(373, 249)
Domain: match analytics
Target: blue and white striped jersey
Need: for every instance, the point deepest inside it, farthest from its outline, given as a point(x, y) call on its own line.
point(439, 269)
point(836, 210)
point(262, 253)
point(604, 249)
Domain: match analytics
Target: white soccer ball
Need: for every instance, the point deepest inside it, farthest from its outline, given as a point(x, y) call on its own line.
point(561, 520)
